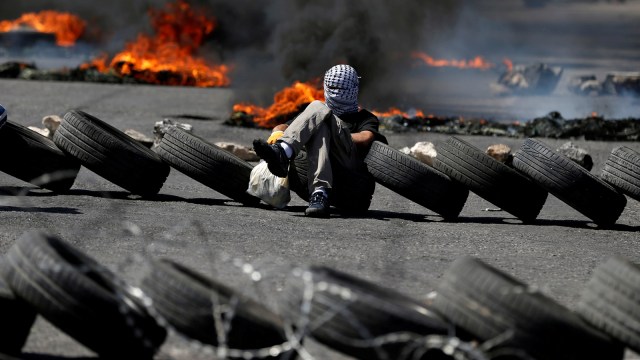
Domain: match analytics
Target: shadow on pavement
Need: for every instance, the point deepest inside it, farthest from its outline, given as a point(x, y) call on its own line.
point(25, 191)
point(53, 357)
point(48, 210)
point(577, 224)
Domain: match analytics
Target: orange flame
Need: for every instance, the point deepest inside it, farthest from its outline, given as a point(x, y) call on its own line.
point(395, 111)
point(286, 101)
point(476, 63)
point(508, 63)
point(167, 57)
point(67, 27)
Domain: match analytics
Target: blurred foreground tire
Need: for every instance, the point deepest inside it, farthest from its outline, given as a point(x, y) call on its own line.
point(622, 170)
point(363, 320)
point(34, 158)
point(352, 190)
point(416, 181)
point(490, 179)
point(491, 305)
point(111, 153)
point(16, 316)
point(610, 301)
point(208, 164)
point(81, 297)
point(190, 302)
point(570, 182)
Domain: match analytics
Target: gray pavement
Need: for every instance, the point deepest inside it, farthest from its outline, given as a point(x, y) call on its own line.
point(398, 243)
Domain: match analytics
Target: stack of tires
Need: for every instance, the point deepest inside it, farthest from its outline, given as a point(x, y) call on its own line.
point(521, 190)
point(477, 312)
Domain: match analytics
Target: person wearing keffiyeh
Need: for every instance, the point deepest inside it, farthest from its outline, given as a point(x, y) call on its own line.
point(336, 134)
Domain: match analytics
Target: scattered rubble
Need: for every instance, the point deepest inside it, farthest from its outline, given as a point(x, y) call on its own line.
point(591, 128)
point(501, 153)
point(620, 84)
point(535, 79)
point(12, 69)
point(240, 151)
point(51, 123)
point(578, 155)
point(447, 124)
point(423, 151)
point(553, 125)
point(160, 128)
point(139, 137)
point(27, 71)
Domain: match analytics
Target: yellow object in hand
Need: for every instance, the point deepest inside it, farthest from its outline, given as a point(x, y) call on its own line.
point(274, 137)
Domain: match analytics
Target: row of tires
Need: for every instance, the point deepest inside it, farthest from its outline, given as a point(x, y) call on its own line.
point(477, 311)
point(521, 190)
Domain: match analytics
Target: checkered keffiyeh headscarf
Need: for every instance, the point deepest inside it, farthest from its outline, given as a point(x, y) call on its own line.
point(341, 89)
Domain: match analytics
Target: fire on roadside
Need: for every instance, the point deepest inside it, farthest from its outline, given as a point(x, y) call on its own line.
point(477, 62)
point(405, 114)
point(289, 101)
point(285, 102)
point(168, 56)
point(67, 27)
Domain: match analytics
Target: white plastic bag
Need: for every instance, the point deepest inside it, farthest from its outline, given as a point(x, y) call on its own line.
point(269, 188)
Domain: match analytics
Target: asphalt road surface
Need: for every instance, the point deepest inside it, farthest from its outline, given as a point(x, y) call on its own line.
point(398, 243)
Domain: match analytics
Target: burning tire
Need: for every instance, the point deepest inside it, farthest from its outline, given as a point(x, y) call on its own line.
point(610, 301)
point(352, 190)
point(17, 319)
point(37, 159)
point(190, 302)
point(622, 170)
point(491, 305)
point(111, 154)
point(361, 319)
point(81, 297)
point(415, 180)
point(490, 179)
point(207, 164)
point(570, 182)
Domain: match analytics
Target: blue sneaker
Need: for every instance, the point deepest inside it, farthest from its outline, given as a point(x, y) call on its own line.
point(3, 116)
point(318, 206)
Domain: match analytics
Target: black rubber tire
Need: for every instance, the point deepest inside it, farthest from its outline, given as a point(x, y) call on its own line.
point(622, 170)
point(183, 298)
point(81, 297)
point(345, 312)
point(208, 164)
point(34, 158)
point(487, 303)
point(609, 301)
point(352, 190)
point(416, 181)
point(490, 179)
point(570, 182)
point(111, 153)
point(17, 318)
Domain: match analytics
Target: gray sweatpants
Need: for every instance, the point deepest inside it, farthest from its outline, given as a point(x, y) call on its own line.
point(327, 141)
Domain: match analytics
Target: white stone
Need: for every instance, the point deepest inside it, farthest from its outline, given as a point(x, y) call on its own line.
point(240, 151)
point(425, 152)
point(43, 132)
point(500, 152)
point(139, 137)
point(51, 123)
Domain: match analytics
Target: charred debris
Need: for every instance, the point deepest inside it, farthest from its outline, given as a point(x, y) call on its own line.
point(553, 125)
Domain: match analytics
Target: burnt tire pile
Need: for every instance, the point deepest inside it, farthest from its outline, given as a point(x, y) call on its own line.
point(477, 312)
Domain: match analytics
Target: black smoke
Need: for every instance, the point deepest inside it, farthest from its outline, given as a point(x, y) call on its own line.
point(272, 43)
